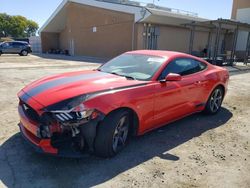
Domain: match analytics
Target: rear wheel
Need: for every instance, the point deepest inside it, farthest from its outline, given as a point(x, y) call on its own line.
point(112, 134)
point(214, 102)
point(0, 53)
point(24, 53)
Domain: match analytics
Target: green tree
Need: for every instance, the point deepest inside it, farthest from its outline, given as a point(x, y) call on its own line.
point(5, 25)
point(16, 26)
point(31, 28)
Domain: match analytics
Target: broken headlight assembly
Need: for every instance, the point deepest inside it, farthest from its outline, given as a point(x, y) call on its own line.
point(72, 112)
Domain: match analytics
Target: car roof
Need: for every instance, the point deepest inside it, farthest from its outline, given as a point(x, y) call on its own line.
point(24, 42)
point(160, 53)
point(166, 54)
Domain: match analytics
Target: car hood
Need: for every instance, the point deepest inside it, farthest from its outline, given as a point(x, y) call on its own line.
point(53, 89)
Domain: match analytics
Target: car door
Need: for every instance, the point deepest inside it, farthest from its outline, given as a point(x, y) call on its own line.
point(16, 47)
point(194, 82)
point(176, 99)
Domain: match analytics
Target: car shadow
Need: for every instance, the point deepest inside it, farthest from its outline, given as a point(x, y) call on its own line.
point(22, 167)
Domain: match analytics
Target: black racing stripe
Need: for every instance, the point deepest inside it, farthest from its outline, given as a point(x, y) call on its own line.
point(91, 95)
point(51, 84)
point(25, 98)
point(98, 93)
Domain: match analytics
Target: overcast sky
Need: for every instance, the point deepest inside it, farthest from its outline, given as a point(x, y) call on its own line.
point(40, 10)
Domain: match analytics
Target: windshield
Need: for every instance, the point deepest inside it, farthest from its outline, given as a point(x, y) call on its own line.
point(134, 66)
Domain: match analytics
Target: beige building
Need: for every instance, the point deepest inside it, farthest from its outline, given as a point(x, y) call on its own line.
point(241, 8)
point(106, 29)
point(241, 12)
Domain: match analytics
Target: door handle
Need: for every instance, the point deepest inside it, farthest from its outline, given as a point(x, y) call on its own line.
point(197, 83)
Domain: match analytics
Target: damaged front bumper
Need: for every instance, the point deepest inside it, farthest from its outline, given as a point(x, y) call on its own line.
point(60, 143)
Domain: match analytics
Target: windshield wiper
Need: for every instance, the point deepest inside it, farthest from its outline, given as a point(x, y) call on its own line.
point(115, 73)
point(128, 77)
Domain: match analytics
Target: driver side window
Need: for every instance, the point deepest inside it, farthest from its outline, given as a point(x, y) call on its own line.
point(183, 66)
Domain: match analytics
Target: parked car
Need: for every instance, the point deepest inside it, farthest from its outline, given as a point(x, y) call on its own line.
point(136, 92)
point(15, 47)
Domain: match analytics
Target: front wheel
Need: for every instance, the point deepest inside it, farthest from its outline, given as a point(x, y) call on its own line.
point(112, 134)
point(214, 102)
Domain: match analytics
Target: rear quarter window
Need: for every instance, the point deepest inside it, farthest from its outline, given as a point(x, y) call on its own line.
point(202, 65)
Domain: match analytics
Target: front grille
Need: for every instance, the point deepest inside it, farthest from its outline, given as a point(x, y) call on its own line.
point(30, 112)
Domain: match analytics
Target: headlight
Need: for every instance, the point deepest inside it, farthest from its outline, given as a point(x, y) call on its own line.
point(70, 110)
point(67, 105)
point(76, 114)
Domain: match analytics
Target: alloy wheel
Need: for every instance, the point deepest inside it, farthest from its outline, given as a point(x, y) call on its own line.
point(120, 134)
point(216, 100)
point(24, 53)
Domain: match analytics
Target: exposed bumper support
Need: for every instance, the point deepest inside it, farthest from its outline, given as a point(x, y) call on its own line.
point(41, 145)
point(64, 149)
point(45, 147)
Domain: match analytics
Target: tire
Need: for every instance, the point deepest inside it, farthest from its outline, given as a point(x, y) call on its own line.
point(214, 102)
point(112, 134)
point(0, 53)
point(24, 53)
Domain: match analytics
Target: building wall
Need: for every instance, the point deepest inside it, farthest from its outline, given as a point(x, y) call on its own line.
point(174, 38)
point(241, 12)
point(96, 32)
point(35, 42)
point(239, 4)
point(243, 15)
point(139, 36)
point(49, 41)
point(201, 40)
point(64, 40)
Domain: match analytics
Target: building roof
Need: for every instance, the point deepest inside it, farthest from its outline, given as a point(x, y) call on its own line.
point(228, 24)
point(172, 17)
point(149, 13)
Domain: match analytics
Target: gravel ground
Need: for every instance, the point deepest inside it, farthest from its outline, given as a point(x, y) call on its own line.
point(198, 151)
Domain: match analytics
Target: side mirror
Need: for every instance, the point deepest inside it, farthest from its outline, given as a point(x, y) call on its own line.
point(172, 77)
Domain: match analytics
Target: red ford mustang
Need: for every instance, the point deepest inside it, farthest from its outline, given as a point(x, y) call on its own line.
point(97, 110)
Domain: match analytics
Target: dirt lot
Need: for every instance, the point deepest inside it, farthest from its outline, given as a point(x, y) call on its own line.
point(198, 151)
